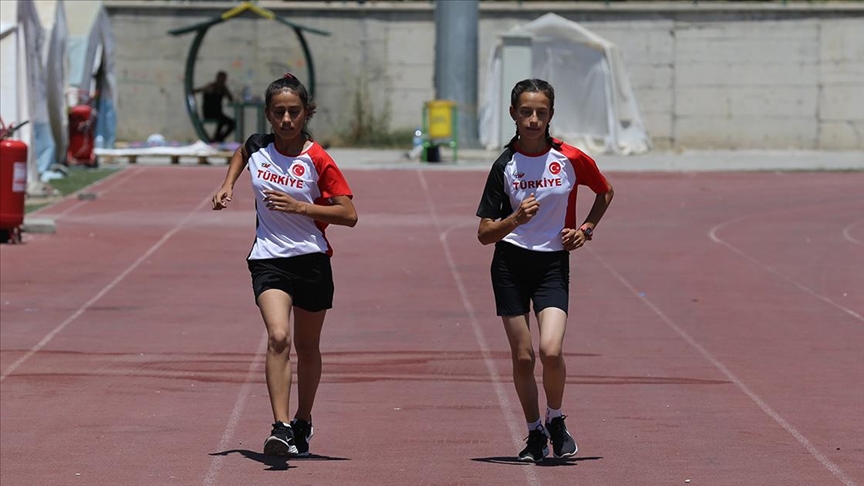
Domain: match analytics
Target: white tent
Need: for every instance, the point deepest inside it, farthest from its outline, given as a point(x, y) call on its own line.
point(33, 76)
point(23, 97)
point(13, 79)
point(40, 43)
point(55, 62)
point(595, 109)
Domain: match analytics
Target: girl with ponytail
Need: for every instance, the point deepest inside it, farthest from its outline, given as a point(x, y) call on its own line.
point(528, 210)
point(298, 191)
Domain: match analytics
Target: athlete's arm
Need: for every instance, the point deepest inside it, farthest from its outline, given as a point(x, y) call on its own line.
point(491, 230)
point(341, 210)
point(598, 209)
point(235, 168)
point(573, 238)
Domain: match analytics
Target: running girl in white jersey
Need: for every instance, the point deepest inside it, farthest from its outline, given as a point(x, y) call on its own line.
point(538, 176)
point(298, 192)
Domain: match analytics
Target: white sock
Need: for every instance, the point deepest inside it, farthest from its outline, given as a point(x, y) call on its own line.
point(552, 413)
point(532, 426)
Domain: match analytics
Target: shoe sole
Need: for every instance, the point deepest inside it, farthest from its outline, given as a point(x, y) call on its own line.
point(531, 459)
point(276, 447)
point(566, 456)
point(535, 461)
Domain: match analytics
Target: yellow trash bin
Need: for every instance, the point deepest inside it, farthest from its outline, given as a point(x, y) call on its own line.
point(440, 118)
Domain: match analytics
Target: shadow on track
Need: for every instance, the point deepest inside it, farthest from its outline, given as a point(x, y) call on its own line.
point(276, 463)
point(548, 462)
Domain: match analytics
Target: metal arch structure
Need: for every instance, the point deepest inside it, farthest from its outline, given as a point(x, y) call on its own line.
point(201, 31)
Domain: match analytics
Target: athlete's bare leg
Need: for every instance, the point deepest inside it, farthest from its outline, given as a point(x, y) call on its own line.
point(552, 323)
point(522, 354)
point(275, 306)
point(307, 343)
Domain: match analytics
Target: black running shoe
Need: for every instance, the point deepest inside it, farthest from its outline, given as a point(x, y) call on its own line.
point(563, 444)
point(537, 447)
point(302, 435)
point(280, 442)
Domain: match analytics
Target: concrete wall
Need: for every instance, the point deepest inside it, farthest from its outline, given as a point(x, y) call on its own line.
point(705, 76)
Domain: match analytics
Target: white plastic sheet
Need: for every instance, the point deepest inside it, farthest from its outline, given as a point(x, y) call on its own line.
point(595, 109)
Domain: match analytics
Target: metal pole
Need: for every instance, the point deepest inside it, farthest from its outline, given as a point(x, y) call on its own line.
point(456, 45)
point(515, 66)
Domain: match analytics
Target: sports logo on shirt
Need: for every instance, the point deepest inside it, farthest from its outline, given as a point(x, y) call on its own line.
point(554, 180)
point(297, 170)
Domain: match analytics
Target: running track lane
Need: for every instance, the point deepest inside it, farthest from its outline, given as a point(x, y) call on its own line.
point(710, 338)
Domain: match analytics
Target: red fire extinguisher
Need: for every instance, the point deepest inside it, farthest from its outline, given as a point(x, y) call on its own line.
point(82, 125)
point(13, 182)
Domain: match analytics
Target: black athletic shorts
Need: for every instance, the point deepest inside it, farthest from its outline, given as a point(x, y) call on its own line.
point(308, 279)
point(520, 276)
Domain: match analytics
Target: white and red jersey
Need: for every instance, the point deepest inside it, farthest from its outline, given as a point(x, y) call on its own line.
point(310, 177)
point(553, 177)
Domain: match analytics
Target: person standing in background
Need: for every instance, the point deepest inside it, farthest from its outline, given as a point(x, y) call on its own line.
point(214, 93)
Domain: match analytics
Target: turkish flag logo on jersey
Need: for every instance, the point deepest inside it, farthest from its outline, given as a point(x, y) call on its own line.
point(298, 170)
point(555, 168)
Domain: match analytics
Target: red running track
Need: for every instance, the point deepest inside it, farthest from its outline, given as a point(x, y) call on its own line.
point(716, 335)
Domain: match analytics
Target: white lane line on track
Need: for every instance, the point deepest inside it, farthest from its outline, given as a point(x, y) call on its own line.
point(713, 235)
point(75, 315)
point(848, 235)
point(234, 418)
point(834, 468)
point(116, 180)
point(513, 423)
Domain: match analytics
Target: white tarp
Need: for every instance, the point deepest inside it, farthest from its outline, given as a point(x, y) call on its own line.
point(34, 93)
point(91, 63)
point(33, 72)
point(197, 149)
point(55, 72)
point(594, 104)
point(9, 65)
point(45, 51)
point(13, 80)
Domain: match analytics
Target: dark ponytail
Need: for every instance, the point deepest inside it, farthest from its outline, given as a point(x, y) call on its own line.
point(533, 86)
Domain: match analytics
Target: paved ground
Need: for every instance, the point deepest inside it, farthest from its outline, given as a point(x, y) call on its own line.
point(479, 160)
point(712, 339)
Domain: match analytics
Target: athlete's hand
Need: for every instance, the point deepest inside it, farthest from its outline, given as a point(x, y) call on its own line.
point(222, 198)
point(572, 238)
point(526, 210)
point(279, 201)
